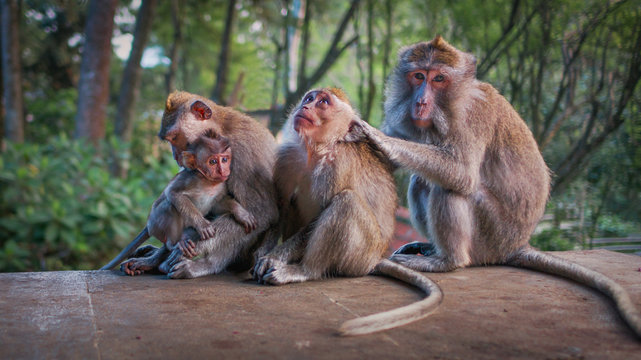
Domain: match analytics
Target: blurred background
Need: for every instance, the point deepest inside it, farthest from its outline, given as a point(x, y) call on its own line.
point(84, 83)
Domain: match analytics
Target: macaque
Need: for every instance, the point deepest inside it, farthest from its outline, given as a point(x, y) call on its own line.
point(338, 197)
point(189, 196)
point(479, 183)
point(187, 116)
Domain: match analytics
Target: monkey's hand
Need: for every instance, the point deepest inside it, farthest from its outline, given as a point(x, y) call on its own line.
point(187, 247)
point(206, 230)
point(355, 132)
point(250, 223)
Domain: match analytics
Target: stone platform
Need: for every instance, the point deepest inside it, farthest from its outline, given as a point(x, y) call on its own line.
point(487, 313)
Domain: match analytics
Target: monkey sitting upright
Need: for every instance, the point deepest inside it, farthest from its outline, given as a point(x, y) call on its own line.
point(337, 198)
point(479, 183)
point(193, 193)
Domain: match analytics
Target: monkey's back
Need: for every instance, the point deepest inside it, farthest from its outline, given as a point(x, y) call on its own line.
point(359, 168)
point(513, 170)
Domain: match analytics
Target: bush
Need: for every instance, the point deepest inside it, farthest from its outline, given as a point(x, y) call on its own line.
point(61, 209)
point(553, 239)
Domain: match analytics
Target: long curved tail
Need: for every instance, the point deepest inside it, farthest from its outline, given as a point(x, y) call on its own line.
point(133, 245)
point(536, 260)
point(399, 316)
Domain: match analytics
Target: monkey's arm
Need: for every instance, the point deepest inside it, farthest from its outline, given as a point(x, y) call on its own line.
point(454, 165)
point(229, 204)
point(188, 211)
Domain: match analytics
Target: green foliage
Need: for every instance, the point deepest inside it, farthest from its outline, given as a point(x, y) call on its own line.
point(553, 239)
point(61, 209)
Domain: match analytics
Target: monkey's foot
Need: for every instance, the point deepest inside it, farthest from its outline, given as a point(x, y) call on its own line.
point(182, 270)
point(263, 265)
point(143, 251)
point(417, 247)
point(425, 263)
point(135, 267)
point(284, 274)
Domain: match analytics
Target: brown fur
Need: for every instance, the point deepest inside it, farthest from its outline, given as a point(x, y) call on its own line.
point(479, 183)
point(337, 202)
point(188, 197)
point(251, 184)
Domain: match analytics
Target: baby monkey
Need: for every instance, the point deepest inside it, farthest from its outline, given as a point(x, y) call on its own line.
point(194, 192)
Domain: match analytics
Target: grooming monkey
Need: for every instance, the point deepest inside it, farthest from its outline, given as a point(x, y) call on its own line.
point(189, 196)
point(479, 183)
point(338, 198)
point(187, 116)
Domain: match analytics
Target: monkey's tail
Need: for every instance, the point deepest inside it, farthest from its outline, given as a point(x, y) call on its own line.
point(536, 260)
point(399, 316)
point(133, 245)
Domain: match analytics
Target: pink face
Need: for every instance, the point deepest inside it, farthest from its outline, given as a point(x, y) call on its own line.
point(312, 111)
point(217, 167)
point(426, 84)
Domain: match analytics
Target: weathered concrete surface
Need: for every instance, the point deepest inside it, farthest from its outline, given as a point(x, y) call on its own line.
point(487, 313)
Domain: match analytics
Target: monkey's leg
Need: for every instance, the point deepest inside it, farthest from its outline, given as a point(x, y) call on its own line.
point(452, 227)
point(291, 250)
point(345, 240)
point(137, 266)
point(416, 247)
point(418, 195)
point(143, 251)
point(218, 252)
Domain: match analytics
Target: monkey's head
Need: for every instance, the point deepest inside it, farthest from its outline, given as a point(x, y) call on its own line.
point(427, 78)
point(323, 115)
point(210, 155)
point(186, 116)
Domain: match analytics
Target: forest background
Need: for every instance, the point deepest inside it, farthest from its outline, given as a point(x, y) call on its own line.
point(84, 84)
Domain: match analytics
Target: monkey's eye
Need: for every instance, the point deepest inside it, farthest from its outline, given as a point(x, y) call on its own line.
point(224, 159)
point(419, 76)
point(438, 78)
point(324, 101)
point(308, 98)
point(213, 162)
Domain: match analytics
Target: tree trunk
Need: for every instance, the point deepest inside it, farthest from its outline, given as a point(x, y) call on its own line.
point(130, 86)
point(12, 72)
point(371, 86)
point(218, 94)
point(93, 87)
point(170, 77)
point(333, 53)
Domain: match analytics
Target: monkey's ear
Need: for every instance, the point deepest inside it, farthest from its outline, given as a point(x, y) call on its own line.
point(189, 160)
point(201, 110)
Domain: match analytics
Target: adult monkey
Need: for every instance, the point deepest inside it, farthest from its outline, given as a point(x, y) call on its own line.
point(337, 198)
point(186, 117)
point(479, 184)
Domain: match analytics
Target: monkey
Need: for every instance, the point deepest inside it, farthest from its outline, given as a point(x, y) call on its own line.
point(479, 183)
point(338, 199)
point(190, 195)
point(186, 116)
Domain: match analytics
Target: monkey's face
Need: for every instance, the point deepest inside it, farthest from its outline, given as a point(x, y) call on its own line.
point(426, 84)
point(185, 124)
point(422, 86)
point(322, 116)
point(215, 167)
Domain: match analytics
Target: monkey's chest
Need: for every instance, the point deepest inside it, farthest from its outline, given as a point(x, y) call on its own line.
point(207, 197)
point(308, 206)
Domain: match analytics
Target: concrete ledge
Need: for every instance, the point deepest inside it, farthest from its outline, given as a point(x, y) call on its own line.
point(487, 313)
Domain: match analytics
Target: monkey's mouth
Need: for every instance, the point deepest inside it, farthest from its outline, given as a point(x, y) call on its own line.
point(300, 121)
point(422, 123)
